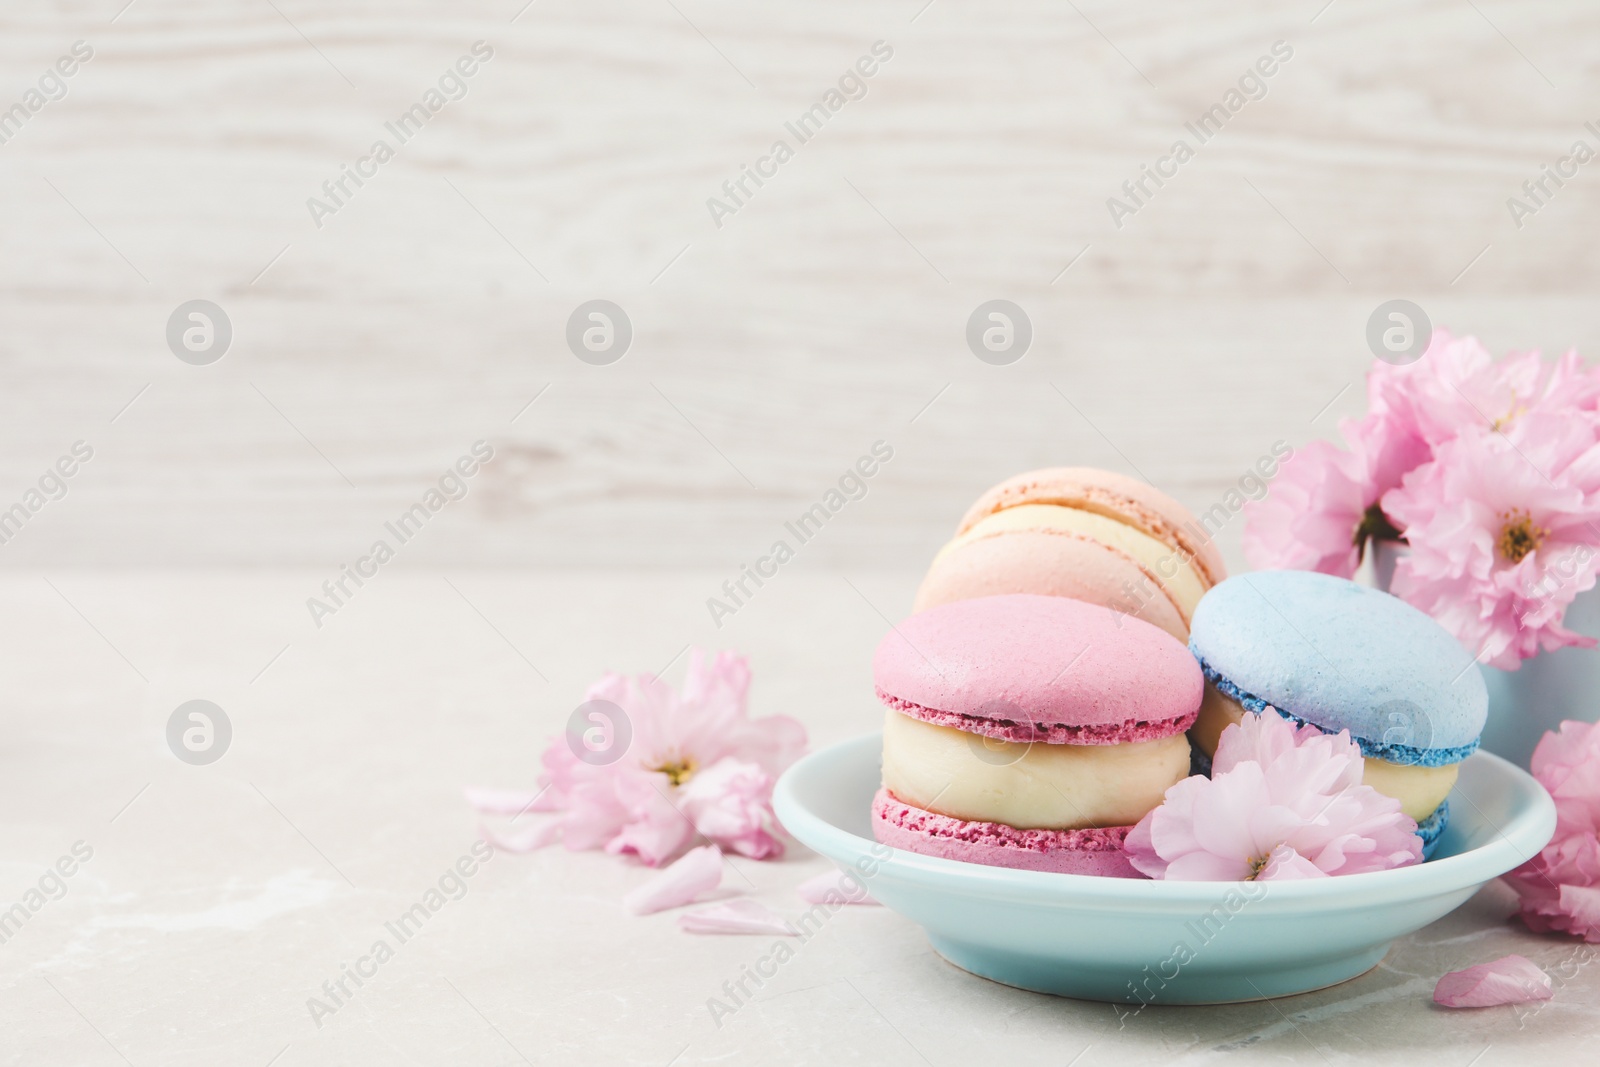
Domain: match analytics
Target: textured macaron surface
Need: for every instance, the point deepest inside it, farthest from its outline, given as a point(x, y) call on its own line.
point(1118, 496)
point(1029, 667)
point(1343, 657)
point(1094, 852)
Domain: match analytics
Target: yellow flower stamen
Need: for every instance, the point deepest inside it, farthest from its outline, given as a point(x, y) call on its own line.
point(678, 771)
point(1508, 418)
point(1519, 535)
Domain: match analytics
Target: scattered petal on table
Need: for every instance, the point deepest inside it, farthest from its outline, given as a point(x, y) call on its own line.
point(695, 872)
point(526, 839)
point(835, 887)
point(501, 801)
point(735, 917)
point(1511, 980)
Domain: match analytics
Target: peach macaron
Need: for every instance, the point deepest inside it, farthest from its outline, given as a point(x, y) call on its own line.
point(1085, 534)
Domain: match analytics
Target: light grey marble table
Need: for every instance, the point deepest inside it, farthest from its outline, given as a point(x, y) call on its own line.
point(218, 899)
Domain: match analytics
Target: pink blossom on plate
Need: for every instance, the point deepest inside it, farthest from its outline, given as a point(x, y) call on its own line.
point(1559, 889)
point(1296, 809)
point(1324, 762)
point(736, 917)
point(1323, 506)
point(1502, 534)
point(1508, 980)
point(645, 801)
point(695, 872)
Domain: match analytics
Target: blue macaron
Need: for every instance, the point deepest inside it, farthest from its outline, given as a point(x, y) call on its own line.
point(1342, 656)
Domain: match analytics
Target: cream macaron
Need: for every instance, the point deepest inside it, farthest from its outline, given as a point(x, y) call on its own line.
point(1082, 533)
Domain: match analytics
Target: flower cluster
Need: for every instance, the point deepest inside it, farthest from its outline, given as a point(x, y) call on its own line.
point(1560, 887)
point(696, 767)
point(1489, 471)
point(1281, 803)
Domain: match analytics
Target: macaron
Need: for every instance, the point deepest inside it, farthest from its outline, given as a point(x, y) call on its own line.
point(1341, 656)
point(1087, 534)
point(1029, 731)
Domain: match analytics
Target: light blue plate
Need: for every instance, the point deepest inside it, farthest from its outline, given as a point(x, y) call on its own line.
point(1120, 939)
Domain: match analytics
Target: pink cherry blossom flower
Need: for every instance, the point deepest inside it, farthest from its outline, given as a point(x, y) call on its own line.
point(1323, 507)
point(731, 803)
point(1502, 534)
point(1567, 763)
point(1281, 803)
point(1458, 387)
point(1560, 887)
point(695, 765)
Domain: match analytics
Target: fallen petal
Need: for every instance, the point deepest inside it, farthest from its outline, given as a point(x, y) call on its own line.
point(500, 801)
point(835, 887)
point(1510, 980)
point(695, 872)
point(736, 917)
point(526, 839)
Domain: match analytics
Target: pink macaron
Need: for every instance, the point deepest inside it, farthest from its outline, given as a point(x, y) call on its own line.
point(985, 682)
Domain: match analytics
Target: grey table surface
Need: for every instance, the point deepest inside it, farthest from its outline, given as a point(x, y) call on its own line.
point(220, 898)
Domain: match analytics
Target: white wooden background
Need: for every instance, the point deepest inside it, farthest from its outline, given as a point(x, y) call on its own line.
point(768, 353)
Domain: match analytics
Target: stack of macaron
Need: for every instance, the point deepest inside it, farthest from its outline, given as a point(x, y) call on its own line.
point(1037, 699)
point(1341, 656)
point(1080, 622)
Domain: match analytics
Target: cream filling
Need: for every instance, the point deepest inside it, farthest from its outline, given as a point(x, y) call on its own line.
point(1184, 586)
point(1418, 789)
point(1029, 786)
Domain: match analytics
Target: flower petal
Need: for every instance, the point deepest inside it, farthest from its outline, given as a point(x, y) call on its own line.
point(736, 917)
point(501, 801)
point(1508, 980)
point(1284, 863)
point(699, 870)
point(526, 839)
point(835, 887)
point(731, 803)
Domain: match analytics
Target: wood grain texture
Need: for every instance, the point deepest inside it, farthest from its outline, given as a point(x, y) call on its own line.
point(769, 353)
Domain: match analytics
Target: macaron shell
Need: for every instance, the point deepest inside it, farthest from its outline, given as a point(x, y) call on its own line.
point(1137, 503)
point(1040, 662)
point(1093, 852)
point(1049, 564)
point(1432, 829)
point(1345, 657)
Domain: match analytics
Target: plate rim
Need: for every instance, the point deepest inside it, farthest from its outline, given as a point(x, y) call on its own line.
point(1534, 821)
